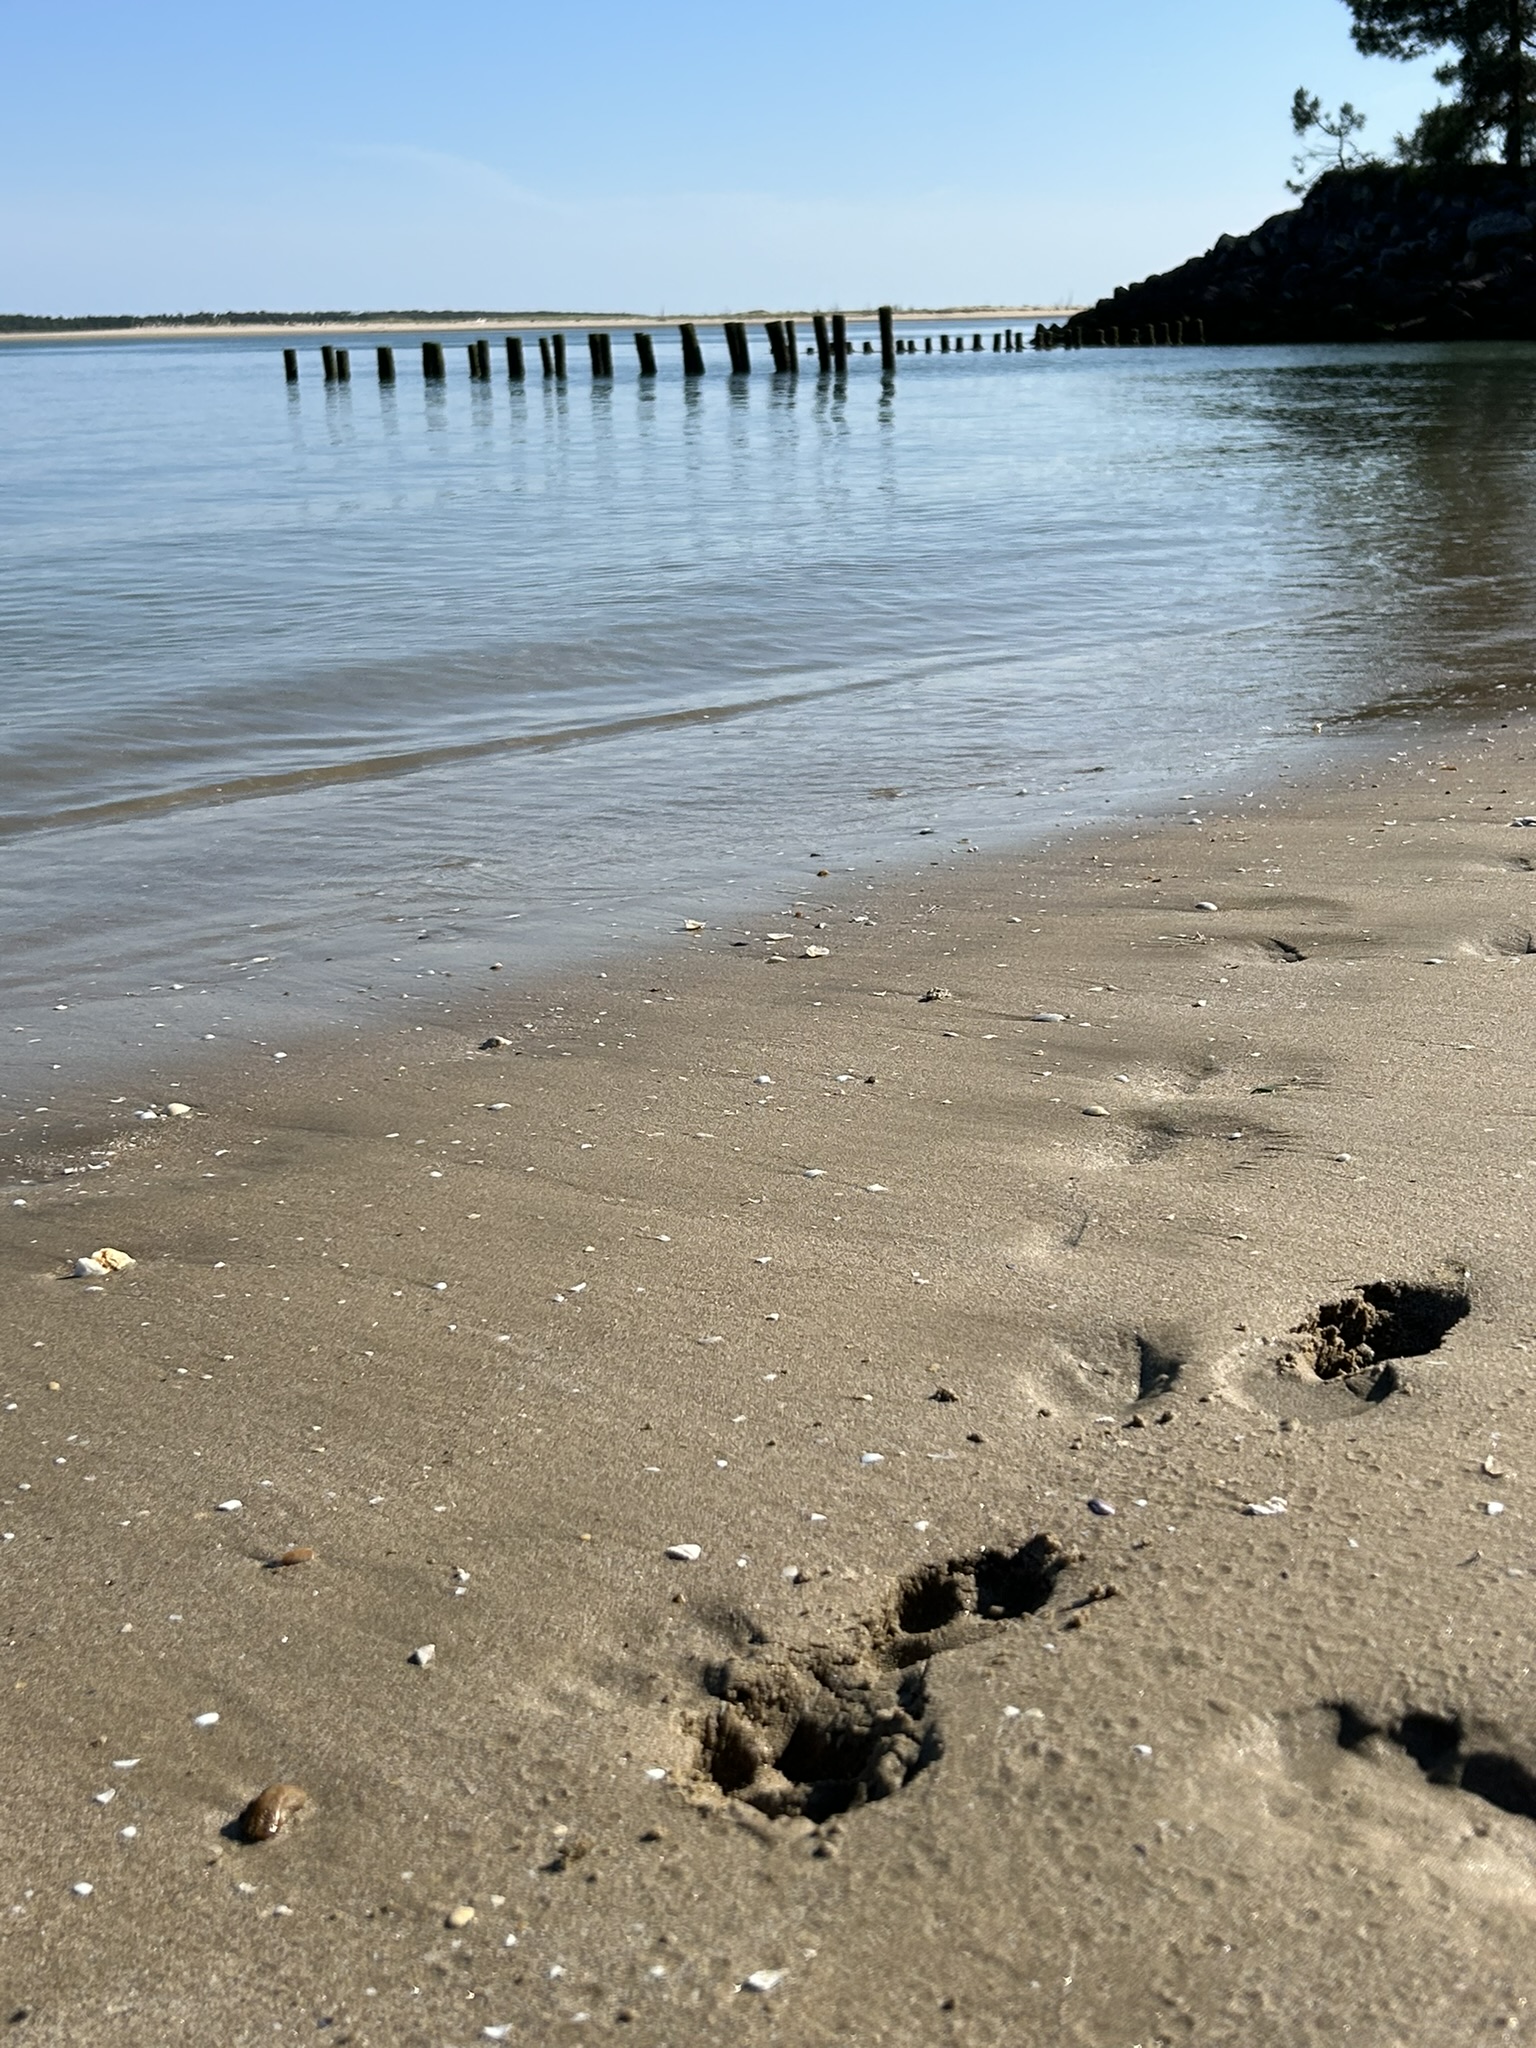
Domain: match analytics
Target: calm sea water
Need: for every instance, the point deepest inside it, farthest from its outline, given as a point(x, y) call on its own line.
point(304, 692)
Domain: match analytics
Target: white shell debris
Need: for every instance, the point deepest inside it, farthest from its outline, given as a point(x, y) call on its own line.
point(105, 1798)
point(1207, 906)
point(1275, 1505)
point(178, 1108)
point(89, 1269)
point(1099, 1507)
point(1094, 1109)
point(817, 953)
point(693, 924)
point(814, 1172)
point(230, 1507)
point(763, 1981)
point(205, 1720)
point(1141, 1749)
point(1493, 1507)
point(685, 1553)
point(424, 1654)
point(1523, 821)
point(935, 995)
point(872, 1457)
point(1049, 1017)
point(82, 1891)
point(763, 1080)
point(98, 1263)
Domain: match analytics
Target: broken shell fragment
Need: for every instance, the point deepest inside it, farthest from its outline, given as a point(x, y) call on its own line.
point(692, 924)
point(97, 1263)
point(816, 953)
point(90, 1269)
point(424, 1655)
point(494, 1043)
point(271, 1811)
point(685, 1553)
point(1094, 1109)
point(298, 1553)
point(934, 995)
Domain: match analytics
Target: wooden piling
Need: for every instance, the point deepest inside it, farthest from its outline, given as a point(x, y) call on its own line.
point(647, 355)
point(887, 339)
point(386, 358)
point(839, 344)
point(1178, 334)
point(432, 361)
point(557, 343)
point(823, 344)
point(472, 350)
point(328, 362)
point(1200, 333)
point(791, 349)
point(546, 356)
point(595, 350)
point(515, 366)
point(693, 355)
point(291, 365)
point(483, 352)
point(736, 344)
point(774, 329)
point(343, 366)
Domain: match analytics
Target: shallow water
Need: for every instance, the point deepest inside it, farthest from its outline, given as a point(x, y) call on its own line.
point(306, 690)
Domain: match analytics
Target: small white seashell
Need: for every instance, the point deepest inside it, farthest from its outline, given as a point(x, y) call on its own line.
point(1141, 1749)
point(128, 1834)
point(692, 924)
point(1099, 1507)
point(817, 953)
point(179, 1108)
point(82, 1891)
point(876, 1187)
point(424, 1654)
point(498, 1105)
point(1095, 1109)
point(105, 1798)
point(763, 1080)
point(1493, 1507)
point(90, 1269)
point(1275, 1505)
point(1207, 906)
point(1523, 821)
point(760, 1980)
point(205, 1720)
point(872, 1458)
point(685, 1553)
point(780, 935)
point(125, 1763)
point(229, 1507)
point(814, 1172)
point(655, 1772)
point(1049, 1017)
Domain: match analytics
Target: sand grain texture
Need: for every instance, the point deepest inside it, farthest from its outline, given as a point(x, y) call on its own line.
point(1180, 1774)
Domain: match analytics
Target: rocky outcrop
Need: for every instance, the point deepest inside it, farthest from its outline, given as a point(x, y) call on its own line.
point(1371, 254)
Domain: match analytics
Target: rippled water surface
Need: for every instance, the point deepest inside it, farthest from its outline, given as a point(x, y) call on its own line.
point(318, 686)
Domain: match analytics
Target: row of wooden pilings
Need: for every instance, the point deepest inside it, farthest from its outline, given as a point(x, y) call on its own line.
point(832, 350)
point(1155, 334)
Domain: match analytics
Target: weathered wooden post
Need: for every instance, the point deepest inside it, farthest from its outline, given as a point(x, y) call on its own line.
point(290, 365)
point(840, 344)
point(736, 344)
point(1178, 334)
point(887, 340)
point(791, 349)
point(343, 366)
point(432, 361)
point(472, 350)
point(328, 362)
point(693, 355)
point(1199, 332)
point(774, 329)
point(647, 355)
point(483, 359)
point(386, 365)
point(546, 356)
point(823, 345)
point(515, 366)
point(595, 350)
point(557, 343)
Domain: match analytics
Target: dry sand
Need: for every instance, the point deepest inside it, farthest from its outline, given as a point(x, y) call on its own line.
point(512, 323)
point(1179, 1774)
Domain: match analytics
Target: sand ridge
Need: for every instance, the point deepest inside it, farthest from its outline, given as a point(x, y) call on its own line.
point(1087, 1641)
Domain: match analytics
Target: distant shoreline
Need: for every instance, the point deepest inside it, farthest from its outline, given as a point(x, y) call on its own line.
point(161, 327)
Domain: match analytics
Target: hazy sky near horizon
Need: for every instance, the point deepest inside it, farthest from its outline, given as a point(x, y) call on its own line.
point(165, 156)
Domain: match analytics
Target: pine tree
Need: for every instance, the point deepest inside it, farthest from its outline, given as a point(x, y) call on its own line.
point(1491, 68)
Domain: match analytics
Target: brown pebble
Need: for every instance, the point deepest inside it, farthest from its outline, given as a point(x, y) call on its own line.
point(460, 1916)
point(271, 1811)
point(298, 1553)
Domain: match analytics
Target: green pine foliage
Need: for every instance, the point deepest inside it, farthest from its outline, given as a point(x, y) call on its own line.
point(1488, 65)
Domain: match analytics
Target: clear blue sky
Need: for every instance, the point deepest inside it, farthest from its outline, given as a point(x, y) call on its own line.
point(159, 155)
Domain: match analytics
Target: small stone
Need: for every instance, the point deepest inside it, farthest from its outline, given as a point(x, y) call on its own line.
point(297, 1553)
point(762, 1981)
point(271, 1811)
point(685, 1553)
point(1099, 1507)
point(424, 1654)
point(460, 1916)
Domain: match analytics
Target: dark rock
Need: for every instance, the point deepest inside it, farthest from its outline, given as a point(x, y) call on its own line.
point(1371, 254)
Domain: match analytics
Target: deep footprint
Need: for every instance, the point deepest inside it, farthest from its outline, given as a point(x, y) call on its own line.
point(816, 1734)
point(1437, 1744)
point(1355, 1339)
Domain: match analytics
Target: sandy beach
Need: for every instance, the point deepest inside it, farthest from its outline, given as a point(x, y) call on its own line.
point(514, 323)
point(853, 1492)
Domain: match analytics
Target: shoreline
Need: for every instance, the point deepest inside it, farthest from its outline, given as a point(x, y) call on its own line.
point(866, 1296)
point(514, 323)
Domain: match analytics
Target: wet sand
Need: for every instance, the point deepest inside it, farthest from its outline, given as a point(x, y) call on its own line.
point(735, 1248)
